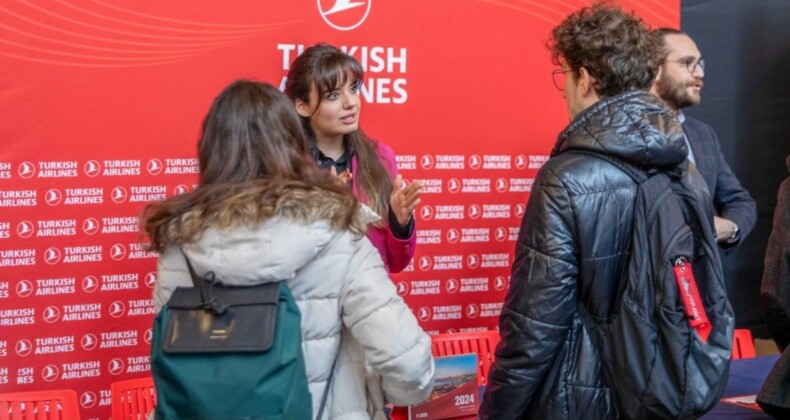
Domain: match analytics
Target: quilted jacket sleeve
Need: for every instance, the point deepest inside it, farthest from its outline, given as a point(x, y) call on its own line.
point(393, 343)
point(540, 303)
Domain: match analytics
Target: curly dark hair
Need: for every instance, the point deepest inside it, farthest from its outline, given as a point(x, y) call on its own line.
point(616, 47)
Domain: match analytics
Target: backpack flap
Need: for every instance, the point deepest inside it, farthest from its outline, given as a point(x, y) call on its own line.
point(232, 319)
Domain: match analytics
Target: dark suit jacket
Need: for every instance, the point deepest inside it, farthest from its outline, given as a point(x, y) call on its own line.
point(730, 199)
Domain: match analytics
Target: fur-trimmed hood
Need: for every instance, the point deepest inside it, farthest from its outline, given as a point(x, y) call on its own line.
point(251, 252)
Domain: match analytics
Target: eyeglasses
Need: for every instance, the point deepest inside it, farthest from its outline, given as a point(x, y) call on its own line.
point(558, 77)
point(691, 64)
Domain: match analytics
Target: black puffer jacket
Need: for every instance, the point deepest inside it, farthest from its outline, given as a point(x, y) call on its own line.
point(572, 246)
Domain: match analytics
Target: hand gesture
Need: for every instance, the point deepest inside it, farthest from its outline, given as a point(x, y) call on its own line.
point(404, 199)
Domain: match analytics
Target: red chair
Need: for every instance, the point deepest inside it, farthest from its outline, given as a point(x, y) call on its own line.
point(57, 404)
point(482, 343)
point(742, 344)
point(132, 399)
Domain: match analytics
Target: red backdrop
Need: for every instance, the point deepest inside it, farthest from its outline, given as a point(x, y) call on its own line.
point(101, 107)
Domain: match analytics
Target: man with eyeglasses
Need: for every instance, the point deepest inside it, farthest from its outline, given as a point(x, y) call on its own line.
point(679, 84)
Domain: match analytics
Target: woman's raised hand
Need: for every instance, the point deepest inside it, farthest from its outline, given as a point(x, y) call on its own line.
point(404, 199)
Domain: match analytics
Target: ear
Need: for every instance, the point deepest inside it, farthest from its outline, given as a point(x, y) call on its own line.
point(586, 82)
point(302, 108)
point(654, 86)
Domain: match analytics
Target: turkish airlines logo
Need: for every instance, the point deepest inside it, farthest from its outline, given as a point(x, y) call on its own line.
point(454, 185)
point(50, 373)
point(426, 162)
point(425, 263)
point(501, 185)
point(117, 309)
point(451, 286)
point(23, 347)
point(475, 162)
point(519, 210)
point(148, 335)
point(453, 236)
point(154, 167)
point(115, 367)
point(24, 229)
point(89, 342)
point(472, 261)
point(424, 314)
point(119, 195)
point(521, 162)
point(24, 288)
point(52, 256)
point(117, 252)
point(26, 170)
point(53, 197)
point(90, 226)
point(180, 189)
point(500, 283)
point(501, 234)
point(472, 311)
point(344, 15)
point(403, 288)
point(426, 212)
point(51, 314)
point(91, 168)
point(150, 279)
point(90, 284)
point(474, 212)
point(87, 399)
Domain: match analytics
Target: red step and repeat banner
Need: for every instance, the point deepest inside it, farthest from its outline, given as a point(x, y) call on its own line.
point(102, 102)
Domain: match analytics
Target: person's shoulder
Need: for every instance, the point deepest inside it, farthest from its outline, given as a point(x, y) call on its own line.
point(697, 124)
point(574, 172)
point(385, 150)
point(571, 164)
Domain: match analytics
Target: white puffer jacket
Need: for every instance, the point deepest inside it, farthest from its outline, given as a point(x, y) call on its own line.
point(350, 308)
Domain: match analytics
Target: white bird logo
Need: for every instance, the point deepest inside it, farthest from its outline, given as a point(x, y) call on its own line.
point(26, 170)
point(341, 5)
point(23, 347)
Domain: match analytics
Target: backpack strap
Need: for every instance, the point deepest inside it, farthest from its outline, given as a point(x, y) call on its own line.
point(326, 390)
point(196, 280)
point(206, 286)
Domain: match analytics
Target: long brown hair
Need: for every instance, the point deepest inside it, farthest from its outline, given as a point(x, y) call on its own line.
point(252, 154)
point(326, 67)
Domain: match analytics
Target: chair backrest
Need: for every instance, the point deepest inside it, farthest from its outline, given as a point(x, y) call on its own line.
point(56, 404)
point(742, 344)
point(132, 399)
point(483, 343)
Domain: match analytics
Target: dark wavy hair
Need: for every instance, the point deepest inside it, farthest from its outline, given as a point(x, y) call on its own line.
point(616, 48)
point(325, 68)
point(252, 152)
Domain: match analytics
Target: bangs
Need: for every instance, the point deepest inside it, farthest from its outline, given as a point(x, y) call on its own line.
point(335, 71)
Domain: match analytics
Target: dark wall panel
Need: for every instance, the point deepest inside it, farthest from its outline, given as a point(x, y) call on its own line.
point(746, 98)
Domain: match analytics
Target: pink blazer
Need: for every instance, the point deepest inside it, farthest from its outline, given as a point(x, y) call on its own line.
point(396, 253)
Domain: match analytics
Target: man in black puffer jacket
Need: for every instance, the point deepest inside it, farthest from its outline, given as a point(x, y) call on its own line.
point(574, 238)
